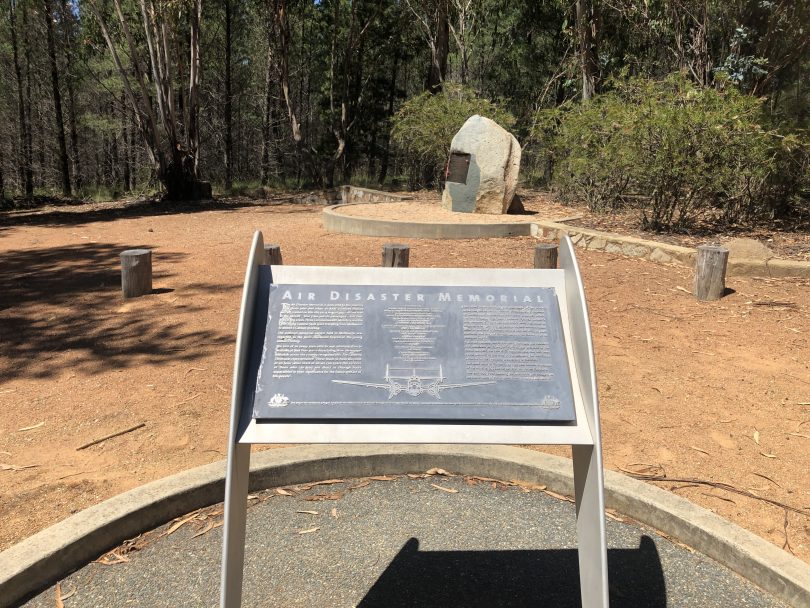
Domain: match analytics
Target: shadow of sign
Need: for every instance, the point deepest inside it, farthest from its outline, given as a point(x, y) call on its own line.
point(456, 579)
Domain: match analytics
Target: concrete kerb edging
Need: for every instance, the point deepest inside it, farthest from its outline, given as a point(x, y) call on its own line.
point(350, 224)
point(44, 558)
point(586, 238)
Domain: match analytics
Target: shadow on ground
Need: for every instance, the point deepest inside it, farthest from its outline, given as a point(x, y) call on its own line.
point(74, 214)
point(67, 301)
point(468, 579)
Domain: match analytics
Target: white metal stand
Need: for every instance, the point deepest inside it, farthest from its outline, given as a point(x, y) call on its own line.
point(583, 435)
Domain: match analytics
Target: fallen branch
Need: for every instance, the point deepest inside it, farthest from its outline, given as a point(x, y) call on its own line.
point(116, 434)
point(720, 485)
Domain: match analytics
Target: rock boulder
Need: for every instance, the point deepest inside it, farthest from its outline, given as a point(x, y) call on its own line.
point(482, 172)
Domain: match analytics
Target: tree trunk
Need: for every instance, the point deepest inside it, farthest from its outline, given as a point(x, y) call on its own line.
point(392, 93)
point(126, 177)
point(2, 181)
point(588, 58)
point(440, 49)
point(267, 117)
point(179, 178)
point(227, 117)
point(24, 160)
point(68, 42)
point(57, 99)
point(283, 28)
point(193, 134)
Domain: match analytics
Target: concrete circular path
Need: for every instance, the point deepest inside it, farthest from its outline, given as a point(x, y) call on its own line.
point(430, 542)
point(50, 555)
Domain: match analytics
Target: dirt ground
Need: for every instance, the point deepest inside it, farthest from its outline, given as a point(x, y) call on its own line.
point(718, 392)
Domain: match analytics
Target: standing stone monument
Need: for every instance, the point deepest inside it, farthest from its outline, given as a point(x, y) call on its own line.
point(482, 170)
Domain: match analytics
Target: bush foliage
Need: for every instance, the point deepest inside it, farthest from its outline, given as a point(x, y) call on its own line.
point(425, 125)
point(685, 153)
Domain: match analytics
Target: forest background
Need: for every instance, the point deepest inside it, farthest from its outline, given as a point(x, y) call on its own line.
point(686, 108)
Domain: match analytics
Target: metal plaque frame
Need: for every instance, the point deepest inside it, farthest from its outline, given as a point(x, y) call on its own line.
point(583, 435)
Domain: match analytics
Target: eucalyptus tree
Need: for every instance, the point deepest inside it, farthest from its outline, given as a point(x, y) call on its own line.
point(171, 134)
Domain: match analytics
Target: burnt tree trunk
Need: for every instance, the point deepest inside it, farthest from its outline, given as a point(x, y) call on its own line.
point(69, 40)
point(24, 160)
point(440, 50)
point(2, 181)
point(57, 99)
point(228, 99)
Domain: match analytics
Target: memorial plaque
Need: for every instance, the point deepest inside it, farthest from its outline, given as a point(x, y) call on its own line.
point(408, 352)
point(457, 167)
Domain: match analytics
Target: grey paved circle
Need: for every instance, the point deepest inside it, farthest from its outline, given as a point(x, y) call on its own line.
point(404, 543)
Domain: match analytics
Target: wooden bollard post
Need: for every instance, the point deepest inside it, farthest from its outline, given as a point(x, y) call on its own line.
point(272, 255)
point(710, 272)
point(545, 255)
point(136, 272)
point(395, 256)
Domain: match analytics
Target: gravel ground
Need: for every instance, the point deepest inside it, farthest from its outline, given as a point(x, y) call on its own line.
point(427, 542)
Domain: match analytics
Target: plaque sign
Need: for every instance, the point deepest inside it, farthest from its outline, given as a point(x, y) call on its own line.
point(357, 352)
point(457, 167)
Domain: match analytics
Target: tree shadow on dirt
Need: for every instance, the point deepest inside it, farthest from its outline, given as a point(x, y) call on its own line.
point(108, 212)
point(63, 306)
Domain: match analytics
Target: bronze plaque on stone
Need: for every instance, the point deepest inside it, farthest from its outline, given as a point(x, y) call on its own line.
point(457, 167)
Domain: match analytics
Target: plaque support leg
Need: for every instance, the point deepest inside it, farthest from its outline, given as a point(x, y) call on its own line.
point(591, 538)
point(233, 545)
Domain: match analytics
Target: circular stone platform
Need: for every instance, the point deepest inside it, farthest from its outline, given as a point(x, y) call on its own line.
point(427, 218)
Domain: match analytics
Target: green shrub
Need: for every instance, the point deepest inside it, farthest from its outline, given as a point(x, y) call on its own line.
point(425, 125)
point(685, 152)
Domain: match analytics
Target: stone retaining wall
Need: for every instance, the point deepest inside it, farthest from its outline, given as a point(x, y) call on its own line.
point(355, 194)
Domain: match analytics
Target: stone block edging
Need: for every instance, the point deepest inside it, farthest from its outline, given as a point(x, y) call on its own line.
point(49, 555)
point(656, 251)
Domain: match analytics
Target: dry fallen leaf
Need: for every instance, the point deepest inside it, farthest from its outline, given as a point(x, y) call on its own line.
point(309, 531)
point(768, 478)
point(308, 512)
point(443, 489)
point(208, 527)
point(283, 492)
point(59, 602)
point(14, 467)
point(768, 455)
point(800, 435)
point(438, 471)
point(178, 524)
point(334, 512)
point(362, 484)
point(112, 558)
point(558, 496)
point(756, 436)
point(314, 497)
point(31, 428)
point(383, 477)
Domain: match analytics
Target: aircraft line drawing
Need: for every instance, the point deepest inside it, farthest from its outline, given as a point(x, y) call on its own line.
point(413, 384)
